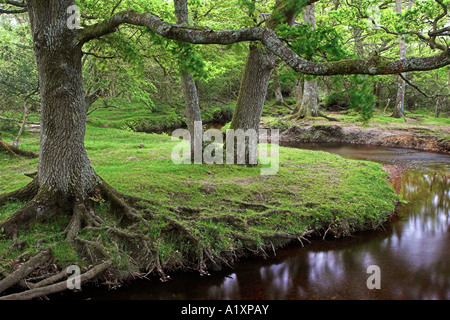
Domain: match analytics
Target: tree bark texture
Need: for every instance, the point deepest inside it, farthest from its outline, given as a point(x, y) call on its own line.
point(64, 167)
point(298, 92)
point(400, 100)
point(279, 99)
point(188, 85)
point(258, 68)
point(310, 101)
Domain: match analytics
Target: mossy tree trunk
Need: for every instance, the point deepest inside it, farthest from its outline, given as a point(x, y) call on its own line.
point(64, 166)
point(258, 68)
point(298, 92)
point(400, 99)
point(190, 94)
point(65, 175)
point(279, 99)
point(309, 105)
point(310, 101)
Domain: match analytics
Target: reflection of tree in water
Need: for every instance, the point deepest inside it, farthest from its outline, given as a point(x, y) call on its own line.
point(411, 254)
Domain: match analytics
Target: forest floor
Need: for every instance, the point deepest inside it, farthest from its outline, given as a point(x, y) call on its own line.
point(206, 217)
point(202, 214)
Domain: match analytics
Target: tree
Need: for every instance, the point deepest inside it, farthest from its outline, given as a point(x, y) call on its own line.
point(192, 110)
point(400, 100)
point(66, 182)
point(66, 178)
point(310, 99)
point(18, 76)
point(279, 99)
point(257, 70)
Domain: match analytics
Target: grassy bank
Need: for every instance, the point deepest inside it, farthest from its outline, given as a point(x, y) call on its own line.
point(230, 210)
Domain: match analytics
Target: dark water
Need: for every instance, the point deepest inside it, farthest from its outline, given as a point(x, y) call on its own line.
point(412, 252)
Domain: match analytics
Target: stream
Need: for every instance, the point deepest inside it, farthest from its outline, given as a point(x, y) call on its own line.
point(412, 251)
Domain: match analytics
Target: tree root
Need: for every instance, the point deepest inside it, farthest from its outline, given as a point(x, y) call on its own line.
point(117, 201)
point(40, 208)
point(24, 270)
point(58, 287)
point(300, 116)
point(248, 205)
point(98, 239)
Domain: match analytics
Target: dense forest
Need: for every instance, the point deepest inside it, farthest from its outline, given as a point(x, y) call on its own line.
point(91, 90)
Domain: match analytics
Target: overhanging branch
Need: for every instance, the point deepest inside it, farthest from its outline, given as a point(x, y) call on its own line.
point(9, 10)
point(374, 66)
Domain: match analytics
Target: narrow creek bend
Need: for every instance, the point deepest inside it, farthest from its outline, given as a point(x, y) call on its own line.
point(413, 250)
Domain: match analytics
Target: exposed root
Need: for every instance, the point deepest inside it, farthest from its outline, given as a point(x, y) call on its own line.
point(248, 205)
point(23, 194)
point(133, 200)
point(96, 245)
point(58, 287)
point(184, 210)
point(157, 266)
point(126, 236)
point(176, 225)
point(40, 208)
point(254, 218)
point(24, 270)
point(118, 203)
point(301, 116)
point(47, 281)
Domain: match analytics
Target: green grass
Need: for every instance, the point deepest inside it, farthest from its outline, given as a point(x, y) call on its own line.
point(138, 117)
point(312, 190)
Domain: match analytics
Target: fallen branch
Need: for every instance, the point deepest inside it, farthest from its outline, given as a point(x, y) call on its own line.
point(15, 120)
point(6, 147)
point(15, 151)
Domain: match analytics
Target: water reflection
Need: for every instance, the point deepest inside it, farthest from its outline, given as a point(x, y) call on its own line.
point(413, 251)
point(413, 254)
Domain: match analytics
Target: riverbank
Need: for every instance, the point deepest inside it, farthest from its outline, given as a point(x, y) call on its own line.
point(411, 138)
point(201, 217)
point(418, 131)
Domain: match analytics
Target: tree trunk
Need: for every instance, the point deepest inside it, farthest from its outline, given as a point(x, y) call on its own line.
point(437, 109)
point(252, 93)
point(64, 167)
point(190, 95)
point(310, 102)
point(279, 100)
point(400, 100)
point(298, 92)
point(257, 70)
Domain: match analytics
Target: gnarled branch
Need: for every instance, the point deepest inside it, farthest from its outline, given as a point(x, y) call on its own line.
point(373, 66)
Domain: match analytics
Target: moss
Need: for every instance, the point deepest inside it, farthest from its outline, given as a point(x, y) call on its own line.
point(310, 191)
